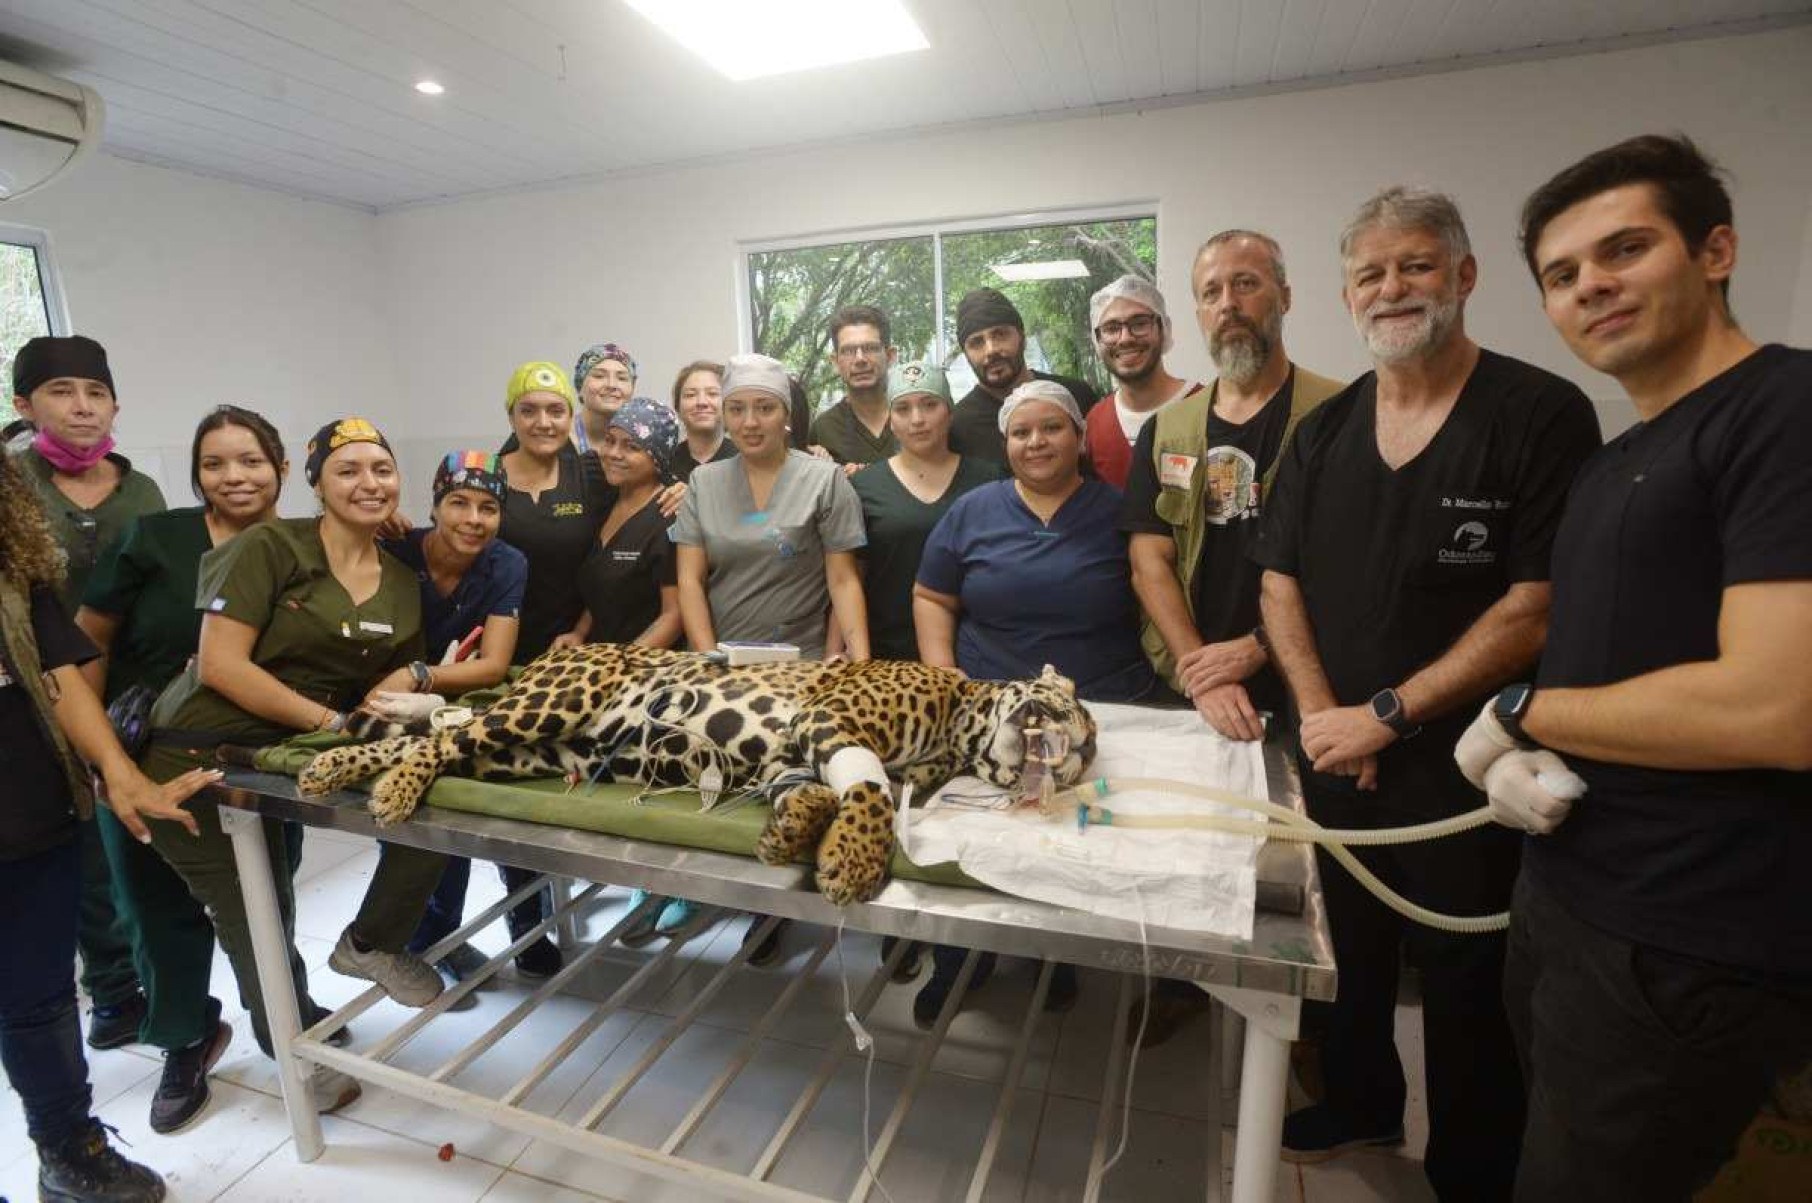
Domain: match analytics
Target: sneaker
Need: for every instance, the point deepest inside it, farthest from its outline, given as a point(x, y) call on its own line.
point(928, 1003)
point(331, 1089)
point(406, 978)
point(1317, 1133)
point(681, 919)
point(540, 960)
point(910, 963)
point(116, 1026)
point(87, 1169)
point(464, 963)
point(182, 1091)
point(769, 949)
point(641, 932)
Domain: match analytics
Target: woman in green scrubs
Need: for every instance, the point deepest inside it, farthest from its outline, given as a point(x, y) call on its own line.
point(300, 617)
point(139, 609)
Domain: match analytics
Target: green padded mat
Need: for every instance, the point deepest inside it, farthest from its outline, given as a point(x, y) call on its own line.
point(666, 818)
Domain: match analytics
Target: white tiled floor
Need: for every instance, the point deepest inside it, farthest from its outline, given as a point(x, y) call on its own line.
point(383, 1148)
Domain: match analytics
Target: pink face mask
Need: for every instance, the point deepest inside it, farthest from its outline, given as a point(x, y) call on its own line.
point(71, 461)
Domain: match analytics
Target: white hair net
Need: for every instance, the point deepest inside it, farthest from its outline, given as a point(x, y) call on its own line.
point(1041, 390)
point(1139, 292)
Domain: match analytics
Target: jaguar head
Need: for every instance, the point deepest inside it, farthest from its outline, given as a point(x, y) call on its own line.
point(1047, 704)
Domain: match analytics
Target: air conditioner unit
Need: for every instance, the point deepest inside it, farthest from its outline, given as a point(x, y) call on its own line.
point(46, 125)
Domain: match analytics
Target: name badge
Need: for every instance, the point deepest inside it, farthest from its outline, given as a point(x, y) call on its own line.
point(1175, 471)
point(377, 628)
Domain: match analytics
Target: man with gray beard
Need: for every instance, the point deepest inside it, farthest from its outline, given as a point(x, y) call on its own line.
point(1196, 487)
point(1405, 550)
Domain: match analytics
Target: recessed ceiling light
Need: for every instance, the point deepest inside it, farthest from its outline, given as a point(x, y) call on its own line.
point(1049, 269)
point(428, 87)
point(747, 41)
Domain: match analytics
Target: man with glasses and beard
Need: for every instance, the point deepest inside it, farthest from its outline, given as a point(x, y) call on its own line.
point(992, 335)
point(1405, 549)
point(1132, 332)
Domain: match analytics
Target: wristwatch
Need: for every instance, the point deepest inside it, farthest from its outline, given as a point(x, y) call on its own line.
point(1510, 707)
point(1387, 708)
point(423, 678)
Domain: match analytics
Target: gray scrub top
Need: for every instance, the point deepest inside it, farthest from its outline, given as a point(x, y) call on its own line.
point(766, 579)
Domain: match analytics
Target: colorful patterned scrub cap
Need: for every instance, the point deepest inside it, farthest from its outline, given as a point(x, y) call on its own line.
point(652, 427)
point(911, 379)
point(478, 470)
point(339, 433)
point(538, 377)
point(596, 354)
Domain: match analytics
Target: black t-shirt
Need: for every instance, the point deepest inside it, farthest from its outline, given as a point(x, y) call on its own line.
point(1716, 491)
point(621, 580)
point(975, 422)
point(898, 525)
point(683, 463)
point(555, 532)
point(36, 813)
point(1226, 578)
point(1395, 565)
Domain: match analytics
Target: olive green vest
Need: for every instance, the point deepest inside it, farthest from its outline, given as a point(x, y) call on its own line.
point(22, 664)
point(1182, 429)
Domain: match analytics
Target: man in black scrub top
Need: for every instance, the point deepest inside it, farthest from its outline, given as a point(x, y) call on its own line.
point(1406, 551)
point(1660, 966)
point(992, 335)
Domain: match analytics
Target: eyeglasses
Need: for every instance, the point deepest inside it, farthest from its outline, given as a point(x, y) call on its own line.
point(1138, 326)
point(861, 351)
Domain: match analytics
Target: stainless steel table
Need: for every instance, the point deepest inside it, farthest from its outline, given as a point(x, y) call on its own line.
point(1264, 981)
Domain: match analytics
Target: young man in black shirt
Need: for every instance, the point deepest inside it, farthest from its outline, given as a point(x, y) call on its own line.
point(1660, 970)
point(1406, 553)
point(993, 338)
point(856, 430)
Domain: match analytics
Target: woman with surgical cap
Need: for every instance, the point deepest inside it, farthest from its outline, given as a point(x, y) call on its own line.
point(603, 380)
point(300, 618)
point(767, 541)
point(1028, 572)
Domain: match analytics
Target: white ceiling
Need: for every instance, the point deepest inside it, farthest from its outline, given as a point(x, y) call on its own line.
point(315, 97)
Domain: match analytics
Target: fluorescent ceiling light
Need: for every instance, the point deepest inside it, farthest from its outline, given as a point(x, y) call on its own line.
point(746, 39)
point(1049, 269)
point(428, 87)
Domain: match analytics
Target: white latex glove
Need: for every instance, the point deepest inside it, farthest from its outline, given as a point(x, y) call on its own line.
point(1482, 744)
point(1532, 790)
point(404, 707)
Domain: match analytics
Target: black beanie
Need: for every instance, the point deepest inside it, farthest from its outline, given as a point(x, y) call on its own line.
point(45, 359)
point(984, 307)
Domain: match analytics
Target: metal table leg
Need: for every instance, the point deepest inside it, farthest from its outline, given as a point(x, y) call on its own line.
point(1271, 1024)
point(271, 948)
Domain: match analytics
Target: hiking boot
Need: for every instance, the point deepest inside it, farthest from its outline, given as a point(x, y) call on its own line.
point(182, 1091)
point(117, 1025)
point(1317, 1133)
point(540, 960)
point(87, 1169)
point(405, 977)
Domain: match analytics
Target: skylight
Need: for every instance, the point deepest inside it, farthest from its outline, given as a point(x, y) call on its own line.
point(749, 39)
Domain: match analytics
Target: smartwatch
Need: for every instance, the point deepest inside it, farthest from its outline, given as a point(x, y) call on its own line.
point(1387, 708)
point(1510, 707)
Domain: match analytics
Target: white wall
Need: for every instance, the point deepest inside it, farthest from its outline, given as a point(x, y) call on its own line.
point(207, 292)
point(649, 261)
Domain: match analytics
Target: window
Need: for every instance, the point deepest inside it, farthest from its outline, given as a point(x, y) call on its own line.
point(30, 303)
point(916, 277)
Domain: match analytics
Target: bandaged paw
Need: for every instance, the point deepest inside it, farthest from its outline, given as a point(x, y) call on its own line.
point(404, 707)
point(1532, 790)
point(1481, 746)
point(854, 852)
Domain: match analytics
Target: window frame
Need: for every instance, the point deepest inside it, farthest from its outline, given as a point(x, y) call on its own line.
point(50, 280)
point(936, 230)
